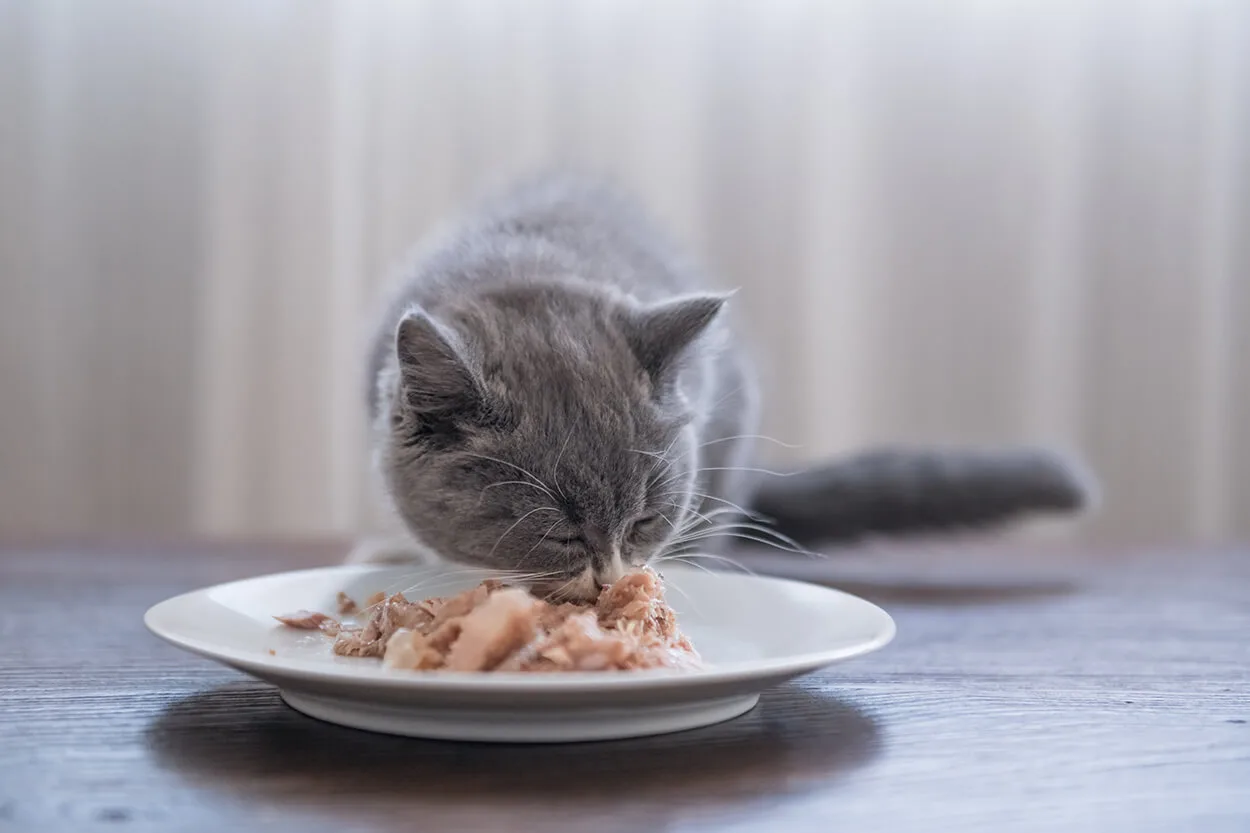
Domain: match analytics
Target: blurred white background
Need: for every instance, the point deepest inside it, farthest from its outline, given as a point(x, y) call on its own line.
point(966, 221)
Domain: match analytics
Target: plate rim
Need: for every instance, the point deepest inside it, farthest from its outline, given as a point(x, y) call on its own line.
point(441, 681)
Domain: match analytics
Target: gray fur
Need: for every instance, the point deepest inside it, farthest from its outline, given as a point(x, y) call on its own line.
point(551, 372)
point(912, 490)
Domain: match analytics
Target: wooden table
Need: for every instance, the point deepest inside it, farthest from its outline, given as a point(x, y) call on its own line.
point(1101, 694)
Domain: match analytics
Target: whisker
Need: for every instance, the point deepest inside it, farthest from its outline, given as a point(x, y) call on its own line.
point(516, 523)
point(555, 469)
point(523, 471)
point(746, 512)
point(559, 594)
point(670, 584)
point(483, 572)
point(672, 443)
point(674, 476)
point(718, 558)
point(521, 560)
point(694, 606)
point(748, 468)
point(681, 560)
point(660, 459)
point(711, 532)
point(694, 521)
point(692, 524)
point(673, 504)
point(755, 527)
point(521, 575)
point(542, 489)
point(450, 576)
point(715, 513)
point(745, 537)
point(768, 530)
point(727, 397)
point(388, 589)
point(697, 529)
point(750, 437)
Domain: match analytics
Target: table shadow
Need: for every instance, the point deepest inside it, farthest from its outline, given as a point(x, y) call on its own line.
point(884, 585)
point(243, 739)
point(952, 594)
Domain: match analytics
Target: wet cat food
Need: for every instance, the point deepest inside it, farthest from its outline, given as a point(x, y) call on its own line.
point(493, 627)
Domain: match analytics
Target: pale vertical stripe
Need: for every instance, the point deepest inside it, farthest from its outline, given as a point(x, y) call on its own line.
point(1225, 98)
point(26, 135)
point(58, 379)
point(419, 112)
point(349, 126)
point(750, 110)
point(1058, 279)
point(656, 126)
point(837, 212)
point(228, 305)
point(293, 463)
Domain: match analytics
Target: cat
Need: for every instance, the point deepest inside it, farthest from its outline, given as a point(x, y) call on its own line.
point(555, 391)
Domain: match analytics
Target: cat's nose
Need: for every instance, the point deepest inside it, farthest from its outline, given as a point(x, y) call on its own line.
point(610, 570)
point(598, 538)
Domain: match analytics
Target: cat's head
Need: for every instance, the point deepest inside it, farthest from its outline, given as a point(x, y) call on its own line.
point(542, 429)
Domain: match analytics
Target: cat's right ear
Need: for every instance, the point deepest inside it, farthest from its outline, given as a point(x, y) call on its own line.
point(663, 334)
point(435, 367)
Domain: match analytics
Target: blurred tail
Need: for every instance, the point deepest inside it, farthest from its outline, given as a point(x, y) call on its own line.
point(914, 491)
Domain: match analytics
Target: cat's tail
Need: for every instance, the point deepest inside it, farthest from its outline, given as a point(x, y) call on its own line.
point(899, 491)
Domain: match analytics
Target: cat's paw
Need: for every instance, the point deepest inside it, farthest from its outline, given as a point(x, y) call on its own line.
point(388, 551)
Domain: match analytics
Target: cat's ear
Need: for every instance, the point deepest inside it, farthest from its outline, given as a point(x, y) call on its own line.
point(435, 366)
point(662, 334)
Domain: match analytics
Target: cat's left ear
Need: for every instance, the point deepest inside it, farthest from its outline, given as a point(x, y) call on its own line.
point(662, 335)
point(435, 367)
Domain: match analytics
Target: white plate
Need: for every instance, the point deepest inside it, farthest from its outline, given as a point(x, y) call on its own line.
point(752, 632)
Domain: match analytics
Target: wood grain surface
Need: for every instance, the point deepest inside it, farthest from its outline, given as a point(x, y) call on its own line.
point(1064, 694)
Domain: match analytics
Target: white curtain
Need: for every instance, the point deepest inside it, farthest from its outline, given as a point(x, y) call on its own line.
point(961, 221)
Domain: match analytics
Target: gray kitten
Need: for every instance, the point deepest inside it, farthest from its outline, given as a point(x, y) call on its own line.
point(554, 391)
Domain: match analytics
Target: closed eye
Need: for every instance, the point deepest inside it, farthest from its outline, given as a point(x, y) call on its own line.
point(644, 526)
